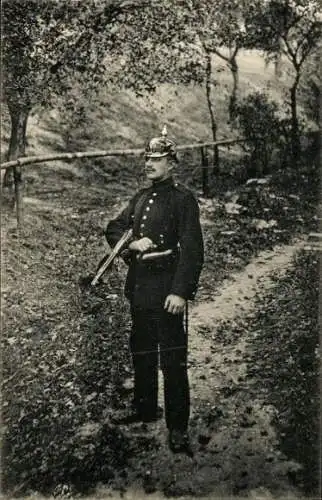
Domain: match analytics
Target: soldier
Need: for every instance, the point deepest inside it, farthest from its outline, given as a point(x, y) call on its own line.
point(165, 258)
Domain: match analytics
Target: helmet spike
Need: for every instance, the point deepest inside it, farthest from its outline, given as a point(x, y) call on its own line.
point(161, 146)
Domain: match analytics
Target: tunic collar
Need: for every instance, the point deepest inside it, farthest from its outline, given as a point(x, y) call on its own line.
point(168, 182)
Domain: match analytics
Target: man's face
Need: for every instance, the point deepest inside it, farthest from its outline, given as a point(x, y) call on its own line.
point(157, 168)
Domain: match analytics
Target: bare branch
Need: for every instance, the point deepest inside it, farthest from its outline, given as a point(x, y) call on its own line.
point(290, 53)
point(222, 56)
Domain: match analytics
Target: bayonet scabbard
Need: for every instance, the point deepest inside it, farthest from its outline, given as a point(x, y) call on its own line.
point(108, 260)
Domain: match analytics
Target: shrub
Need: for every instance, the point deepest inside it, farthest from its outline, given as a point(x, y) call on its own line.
point(265, 132)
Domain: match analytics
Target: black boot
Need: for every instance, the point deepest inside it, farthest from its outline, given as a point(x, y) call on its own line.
point(179, 442)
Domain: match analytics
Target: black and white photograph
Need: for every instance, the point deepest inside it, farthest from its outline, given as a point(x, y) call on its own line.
point(161, 243)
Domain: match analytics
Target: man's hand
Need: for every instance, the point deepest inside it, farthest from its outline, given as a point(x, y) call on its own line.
point(174, 304)
point(142, 245)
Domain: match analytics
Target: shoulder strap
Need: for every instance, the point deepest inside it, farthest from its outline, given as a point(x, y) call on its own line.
point(182, 188)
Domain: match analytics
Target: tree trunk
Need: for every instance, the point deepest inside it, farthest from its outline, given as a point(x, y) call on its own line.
point(233, 97)
point(295, 136)
point(204, 166)
point(211, 112)
point(17, 145)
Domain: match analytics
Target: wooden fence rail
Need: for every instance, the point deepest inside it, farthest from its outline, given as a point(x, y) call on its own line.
point(29, 160)
point(16, 164)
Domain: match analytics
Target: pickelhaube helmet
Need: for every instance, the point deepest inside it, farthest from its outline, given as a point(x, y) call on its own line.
point(161, 146)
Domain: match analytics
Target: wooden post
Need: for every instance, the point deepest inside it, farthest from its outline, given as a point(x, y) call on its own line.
point(205, 177)
point(18, 195)
point(17, 146)
point(215, 170)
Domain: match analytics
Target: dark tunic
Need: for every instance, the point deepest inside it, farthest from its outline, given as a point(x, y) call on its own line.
point(168, 214)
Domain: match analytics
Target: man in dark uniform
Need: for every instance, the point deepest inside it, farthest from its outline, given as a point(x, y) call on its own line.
point(165, 258)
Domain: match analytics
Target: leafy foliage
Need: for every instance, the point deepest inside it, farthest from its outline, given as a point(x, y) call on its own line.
point(157, 45)
point(266, 132)
point(310, 87)
point(291, 28)
point(45, 43)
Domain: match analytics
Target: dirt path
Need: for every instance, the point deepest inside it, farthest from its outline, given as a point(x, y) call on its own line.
point(232, 436)
point(234, 301)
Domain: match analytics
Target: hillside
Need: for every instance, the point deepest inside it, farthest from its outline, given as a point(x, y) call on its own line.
point(119, 119)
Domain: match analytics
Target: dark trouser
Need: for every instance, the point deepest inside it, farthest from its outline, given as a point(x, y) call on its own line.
point(152, 329)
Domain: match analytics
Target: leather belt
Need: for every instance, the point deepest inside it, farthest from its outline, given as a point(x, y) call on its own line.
point(154, 255)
